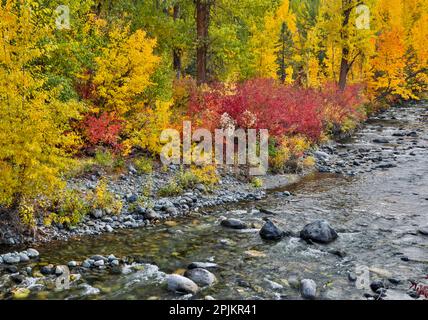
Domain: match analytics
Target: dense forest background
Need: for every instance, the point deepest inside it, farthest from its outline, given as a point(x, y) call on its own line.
point(101, 86)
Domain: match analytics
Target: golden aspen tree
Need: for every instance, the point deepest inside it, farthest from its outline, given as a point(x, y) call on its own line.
point(263, 43)
point(400, 63)
point(124, 70)
point(35, 138)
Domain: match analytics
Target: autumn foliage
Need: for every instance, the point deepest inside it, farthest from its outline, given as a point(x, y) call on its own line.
point(125, 70)
point(283, 110)
point(103, 130)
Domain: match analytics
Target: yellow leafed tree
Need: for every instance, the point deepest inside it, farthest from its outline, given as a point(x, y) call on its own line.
point(264, 40)
point(124, 70)
point(400, 64)
point(35, 142)
point(123, 74)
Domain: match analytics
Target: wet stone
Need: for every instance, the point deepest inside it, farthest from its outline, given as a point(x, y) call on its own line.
point(319, 231)
point(201, 277)
point(271, 232)
point(233, 224)
point(181, 285)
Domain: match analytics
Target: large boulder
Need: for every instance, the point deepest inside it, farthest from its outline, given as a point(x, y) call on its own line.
point(182, 285)
point(319, 231)
point(271, 232)
point(201, 277)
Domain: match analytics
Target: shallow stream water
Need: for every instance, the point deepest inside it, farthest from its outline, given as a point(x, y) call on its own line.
point(377, 214)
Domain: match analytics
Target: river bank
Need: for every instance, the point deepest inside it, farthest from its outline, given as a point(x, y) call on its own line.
point(371, 188)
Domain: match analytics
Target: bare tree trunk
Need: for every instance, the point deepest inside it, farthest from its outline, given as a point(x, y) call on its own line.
point(345, 64)
point(177, 51)
point(202, 24)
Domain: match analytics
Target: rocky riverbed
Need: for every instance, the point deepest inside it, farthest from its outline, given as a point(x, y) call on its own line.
point(363, 216)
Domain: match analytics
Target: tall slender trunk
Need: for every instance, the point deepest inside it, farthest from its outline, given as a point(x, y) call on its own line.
point(202, 25)
point(176, 52)
point(345, 64)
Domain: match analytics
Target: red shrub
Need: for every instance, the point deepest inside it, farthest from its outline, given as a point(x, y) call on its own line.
point(104, 129)
point(266, 104)
point(338, 105)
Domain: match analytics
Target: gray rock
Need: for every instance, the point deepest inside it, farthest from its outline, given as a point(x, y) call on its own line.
point(98, 257)
point(59, 270)
point(319, 231)
point(97, 213)
point(271, 232)
point(423, 231)
point(32, 253)
point(1, 260)
point(321, 155)
point(109, 228)
point(182, 285)
point(88, 263)
point(171, 210)
point(201, 188)
point(29, 271)
point(381, 141)
point(140, 210)
point(114, 263)
point(274, 285)
point(203, 265)
point(352, 277)
point(23, 257)
point(11, 258)
point(99, 263)
point(376, 285)
point(294, 282)
point(132, 169)
point(233, 224)
point(151, 214)
point(201, 277)
point(111, 257)
point(47, 270)
point(72, 264)
point(132, 198)
point(308, 288)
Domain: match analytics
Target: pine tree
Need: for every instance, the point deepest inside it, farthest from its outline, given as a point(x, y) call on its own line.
point(284, 52)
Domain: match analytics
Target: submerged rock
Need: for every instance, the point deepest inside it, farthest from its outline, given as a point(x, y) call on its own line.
point(376, 285)
point(319, 231)
point(308, 288)
point(182, 285)
point(271, 232)
point(233, 224)
point(381, 140)
point(423, 231)
point(201, 277)
point(203, 265)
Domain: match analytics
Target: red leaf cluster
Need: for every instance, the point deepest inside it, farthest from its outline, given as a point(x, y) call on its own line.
point(103, 130)
point(267, 104)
